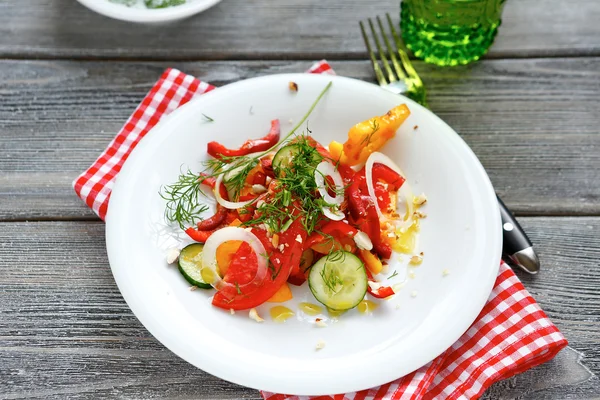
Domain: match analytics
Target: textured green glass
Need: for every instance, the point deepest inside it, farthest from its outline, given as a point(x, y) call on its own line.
point(450, 32)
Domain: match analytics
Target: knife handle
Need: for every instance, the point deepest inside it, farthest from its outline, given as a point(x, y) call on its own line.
point(516, 245)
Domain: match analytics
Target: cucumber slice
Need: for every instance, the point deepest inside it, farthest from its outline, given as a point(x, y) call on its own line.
point(285, 156)
point(338, 281)
point(190, 265)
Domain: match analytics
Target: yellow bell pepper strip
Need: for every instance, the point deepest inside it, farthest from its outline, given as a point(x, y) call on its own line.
point(372, 262)
point(368, 136)
point(283, 294)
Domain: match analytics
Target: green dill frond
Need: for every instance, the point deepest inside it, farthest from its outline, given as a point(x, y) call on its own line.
point(183, 205)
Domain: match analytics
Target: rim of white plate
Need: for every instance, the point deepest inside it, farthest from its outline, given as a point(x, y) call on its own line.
point(141, 15)
point(258, 378)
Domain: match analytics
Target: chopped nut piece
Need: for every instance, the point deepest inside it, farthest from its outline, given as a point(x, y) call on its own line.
point(420, 214)
point(275, 240)
point(420, 199)
point(363, 241)
point(231, 311)
point(281, 247)
point(192, 288)
point(320, 323)
point(258, 189)
point(347, 247)
point(253, 314)
point(173, 255)
point(293, 86)
point(416, 260)
point(299, 239)
point(320, 344)
point(416, 127)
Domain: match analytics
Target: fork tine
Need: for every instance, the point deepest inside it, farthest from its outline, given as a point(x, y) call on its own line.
point(403, 56)
point(376, 68)
point(384, 59)
point(391, 51)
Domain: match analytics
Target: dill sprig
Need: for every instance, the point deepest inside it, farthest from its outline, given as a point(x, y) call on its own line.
point(374, 128)
point(183, 205)
point(235, 170)
point(329, 275)
point(393, 275)
point(296, 189)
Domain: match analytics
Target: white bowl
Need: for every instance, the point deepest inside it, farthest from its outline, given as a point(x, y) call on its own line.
point(142, 15)
point(462, 233)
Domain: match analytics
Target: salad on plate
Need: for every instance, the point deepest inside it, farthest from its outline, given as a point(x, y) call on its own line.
point(340, 220)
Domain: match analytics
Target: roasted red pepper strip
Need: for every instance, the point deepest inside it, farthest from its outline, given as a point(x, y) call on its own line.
point(382, 292)
point(217, 150)
point(267, 166)
point(356, 199)
point(370, 226)
point(337, 229)
point(214, 221)
point(199, 236)
point(217, 219)
point(386, 174)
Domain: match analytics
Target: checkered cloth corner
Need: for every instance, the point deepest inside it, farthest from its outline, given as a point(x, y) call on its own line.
point(510, 335)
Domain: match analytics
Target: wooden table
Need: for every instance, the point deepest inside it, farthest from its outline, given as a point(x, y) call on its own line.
point(69, 78)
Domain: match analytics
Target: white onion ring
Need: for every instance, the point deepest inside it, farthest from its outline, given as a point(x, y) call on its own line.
point(407, 219)
point(380, 158)
point(209, 254)
point(324, 169)
point(337, 215)
point(232, 205)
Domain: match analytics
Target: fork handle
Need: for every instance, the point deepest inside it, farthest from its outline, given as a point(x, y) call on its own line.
point(516, 248)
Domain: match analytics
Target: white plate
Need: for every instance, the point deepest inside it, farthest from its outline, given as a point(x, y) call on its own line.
point(461, 233)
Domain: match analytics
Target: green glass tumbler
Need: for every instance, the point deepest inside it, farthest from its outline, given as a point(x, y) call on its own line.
point(450, 32)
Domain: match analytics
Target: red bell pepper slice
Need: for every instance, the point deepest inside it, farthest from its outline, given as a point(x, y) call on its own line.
point(217, 150)
point(382, 292)
point(337, 229)
point(215, 221)
point(370, 225)
point(386, 174)
point(267, 166)
point(199, 236)
point(221, 214)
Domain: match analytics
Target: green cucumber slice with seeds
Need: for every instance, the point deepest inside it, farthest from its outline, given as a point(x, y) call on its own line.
point(190, 265)
point(338, 280)
point(285, 156)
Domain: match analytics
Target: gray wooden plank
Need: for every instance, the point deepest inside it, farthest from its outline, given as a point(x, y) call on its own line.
point(262, 29)
point(532, 119)
point(66, 332)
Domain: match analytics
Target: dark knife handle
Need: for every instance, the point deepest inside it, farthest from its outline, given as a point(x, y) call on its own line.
point(517, 246)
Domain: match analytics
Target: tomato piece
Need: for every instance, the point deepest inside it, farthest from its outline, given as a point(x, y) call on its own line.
point(281, 265)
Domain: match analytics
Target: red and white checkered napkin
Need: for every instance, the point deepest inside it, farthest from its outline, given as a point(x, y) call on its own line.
point(511, 335)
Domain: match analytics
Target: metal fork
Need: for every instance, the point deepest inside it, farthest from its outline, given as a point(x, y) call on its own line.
point(517, 247)
point(405, 79)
